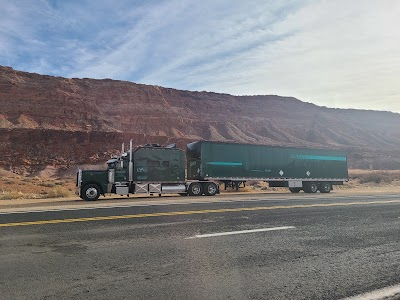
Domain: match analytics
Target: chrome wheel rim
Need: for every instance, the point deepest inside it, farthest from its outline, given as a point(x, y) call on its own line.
point(211, 189)
point(91, 193)
point(196, 189)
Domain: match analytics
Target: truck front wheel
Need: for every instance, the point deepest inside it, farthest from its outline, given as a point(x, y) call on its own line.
point(195, 189)
point(90, 192)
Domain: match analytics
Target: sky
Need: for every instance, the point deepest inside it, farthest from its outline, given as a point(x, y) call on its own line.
point(335, 53)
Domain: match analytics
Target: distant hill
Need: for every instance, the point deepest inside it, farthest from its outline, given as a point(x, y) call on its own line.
point(59, 122)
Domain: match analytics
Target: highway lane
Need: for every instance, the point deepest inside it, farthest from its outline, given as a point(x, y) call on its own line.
point(326, 248)
point(166, 204)
point(10, 206)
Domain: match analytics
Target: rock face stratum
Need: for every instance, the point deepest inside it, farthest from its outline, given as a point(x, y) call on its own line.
point(63, 122)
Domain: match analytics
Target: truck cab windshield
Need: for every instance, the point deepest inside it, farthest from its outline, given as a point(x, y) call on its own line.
point(111, 164)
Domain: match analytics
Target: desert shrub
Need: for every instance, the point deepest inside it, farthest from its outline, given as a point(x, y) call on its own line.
point(17, 195)
point(5, 196)
point(246, 189)
point(255, 184)
point(58, 192)
point(375, 178)
point(47, 184)
point(27, 179)
point(12, 195)
point(378, 177)
point(258, 185)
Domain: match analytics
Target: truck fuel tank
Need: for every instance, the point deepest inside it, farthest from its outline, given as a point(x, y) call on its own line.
point(173, 188)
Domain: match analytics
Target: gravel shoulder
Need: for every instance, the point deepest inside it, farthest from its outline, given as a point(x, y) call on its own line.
point(74, 202)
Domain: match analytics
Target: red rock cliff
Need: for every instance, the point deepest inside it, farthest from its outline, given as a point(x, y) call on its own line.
point(47, 120)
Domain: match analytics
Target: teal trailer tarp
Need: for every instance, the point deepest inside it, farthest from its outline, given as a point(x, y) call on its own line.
point(218, 160)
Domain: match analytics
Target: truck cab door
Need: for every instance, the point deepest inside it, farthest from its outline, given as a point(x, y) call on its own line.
point(121, 173)
point(193, 169)
point(120, 176)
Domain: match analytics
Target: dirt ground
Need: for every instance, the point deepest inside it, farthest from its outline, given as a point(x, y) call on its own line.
point(14, 186)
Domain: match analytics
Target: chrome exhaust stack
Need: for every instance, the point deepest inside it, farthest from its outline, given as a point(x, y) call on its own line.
point(122, 152)
point(130, 162)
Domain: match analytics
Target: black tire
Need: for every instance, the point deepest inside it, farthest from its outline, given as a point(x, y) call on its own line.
point(311, 187)
point(325, 187)
point(294, 190)
point(210, 189)
point(195, 189)
point(91, 192)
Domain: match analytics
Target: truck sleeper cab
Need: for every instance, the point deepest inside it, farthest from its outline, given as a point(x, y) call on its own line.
point(149, 169)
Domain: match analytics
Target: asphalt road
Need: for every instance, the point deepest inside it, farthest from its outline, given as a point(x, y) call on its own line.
point(319, 248)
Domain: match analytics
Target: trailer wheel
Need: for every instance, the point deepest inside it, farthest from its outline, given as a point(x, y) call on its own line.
point(210, 189)
point(90, 192)
point(311, 187)
point(295, 190)
point(195, 189)
point(325, 187)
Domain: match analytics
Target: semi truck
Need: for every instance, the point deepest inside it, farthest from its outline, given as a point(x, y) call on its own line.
point(155, 169)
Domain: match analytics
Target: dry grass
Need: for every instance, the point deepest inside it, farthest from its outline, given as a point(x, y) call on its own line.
point(11, 195)
point(375, 177)
point(254, 187)
point(13, 186)
point(58, 192)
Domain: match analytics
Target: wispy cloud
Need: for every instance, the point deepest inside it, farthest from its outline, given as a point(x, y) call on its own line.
point(334, 53)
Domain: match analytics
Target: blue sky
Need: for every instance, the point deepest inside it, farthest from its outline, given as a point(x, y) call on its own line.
point(336, 53)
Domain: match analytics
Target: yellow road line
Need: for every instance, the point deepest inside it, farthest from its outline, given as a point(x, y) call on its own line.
point(191, 212)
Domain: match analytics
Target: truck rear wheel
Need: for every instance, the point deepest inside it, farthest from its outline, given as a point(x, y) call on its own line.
point(311, 187)
point(91, 192)
point(210, 189)
point(195, 189)
point(325, 187)
point(295, 190)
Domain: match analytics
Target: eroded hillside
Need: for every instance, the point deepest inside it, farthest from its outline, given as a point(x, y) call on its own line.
point(61, 122)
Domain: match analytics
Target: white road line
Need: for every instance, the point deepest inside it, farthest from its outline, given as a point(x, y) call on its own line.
point(198, 236)
point(381, 294)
